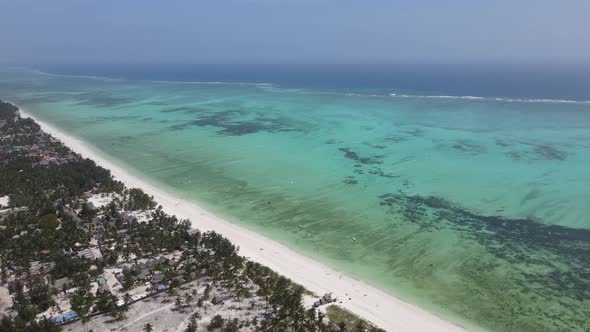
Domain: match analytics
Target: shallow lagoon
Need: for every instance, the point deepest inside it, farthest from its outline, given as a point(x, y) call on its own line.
point(473, 208)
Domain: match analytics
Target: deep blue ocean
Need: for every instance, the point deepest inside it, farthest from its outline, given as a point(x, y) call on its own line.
point(501, 80)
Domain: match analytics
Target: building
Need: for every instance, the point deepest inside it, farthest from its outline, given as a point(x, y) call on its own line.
point(156, 278)
point(61, 283)
point(103, 288)
point(70, 316)
point(38, 268)
point(57, 320)
point(87, 254)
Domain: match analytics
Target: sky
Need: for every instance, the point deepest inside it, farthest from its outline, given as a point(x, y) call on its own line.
point(202, 31)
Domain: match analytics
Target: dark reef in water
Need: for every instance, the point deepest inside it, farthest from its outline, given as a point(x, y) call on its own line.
point(183, 109)
point(549, 153)
point(350, 180)
point(515, 155)
point(396, 139)
point(239, 122)
point(332, 141)
point(156, 103)
point(469, 147)
point(539, 152)
point(379, 172)
point(102, 100)
point(116, 118)
point(176, 109)
point(520, 242)
point(532, 194)
point(536, 153)
point(348, 153)
point(125, 139)
point(371, 160)
point(375, 146)
point(503, 143)
point(416, 132)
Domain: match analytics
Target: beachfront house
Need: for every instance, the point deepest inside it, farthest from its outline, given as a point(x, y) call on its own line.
point(61, 284)
point(37, 267)
point(87, 254)
point(156, 278)
point(70, 316)
point(103, 288)
point(57, 320)
point(219, 299)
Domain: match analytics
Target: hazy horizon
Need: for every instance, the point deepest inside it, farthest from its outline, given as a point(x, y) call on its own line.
point(264, 31)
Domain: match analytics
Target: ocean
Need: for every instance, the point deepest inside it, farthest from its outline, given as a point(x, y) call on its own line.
point(461, 188)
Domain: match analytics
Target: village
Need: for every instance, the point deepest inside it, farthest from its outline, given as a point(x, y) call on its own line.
point(28, 140)
point(122, 274)
point(133, 276)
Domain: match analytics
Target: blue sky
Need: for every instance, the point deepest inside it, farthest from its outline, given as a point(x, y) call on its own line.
point(293, 30)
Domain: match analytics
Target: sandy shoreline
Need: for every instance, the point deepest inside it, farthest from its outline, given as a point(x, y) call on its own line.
point(373, 304)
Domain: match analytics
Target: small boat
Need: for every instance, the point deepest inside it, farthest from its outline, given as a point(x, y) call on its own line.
point(353, 238)
point(300, 226)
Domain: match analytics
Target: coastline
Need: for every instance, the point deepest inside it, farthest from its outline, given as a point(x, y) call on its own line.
point(373, 304)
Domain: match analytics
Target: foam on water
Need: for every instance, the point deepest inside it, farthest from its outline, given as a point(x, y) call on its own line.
point(214, 83)
point(92, 77)
point(515, 100)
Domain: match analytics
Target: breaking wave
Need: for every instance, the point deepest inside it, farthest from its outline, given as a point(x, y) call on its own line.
point(508, 100)
point(101, 78)
point(264, 85)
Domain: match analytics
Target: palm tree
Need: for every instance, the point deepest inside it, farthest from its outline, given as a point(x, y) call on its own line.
point(342, 326)
point(359, 326)
point(148, 327)
point(127, 299)
point(120, 316)
point(85, 320)
point(192, 325)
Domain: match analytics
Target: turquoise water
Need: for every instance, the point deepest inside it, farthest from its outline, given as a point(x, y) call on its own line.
point(475, 208)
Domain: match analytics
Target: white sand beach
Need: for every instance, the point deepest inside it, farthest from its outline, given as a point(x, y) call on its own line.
point(377, 306)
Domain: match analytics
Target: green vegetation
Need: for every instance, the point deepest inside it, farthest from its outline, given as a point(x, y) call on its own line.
point(216, 323)
point(19, 325)
point(347, 321)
